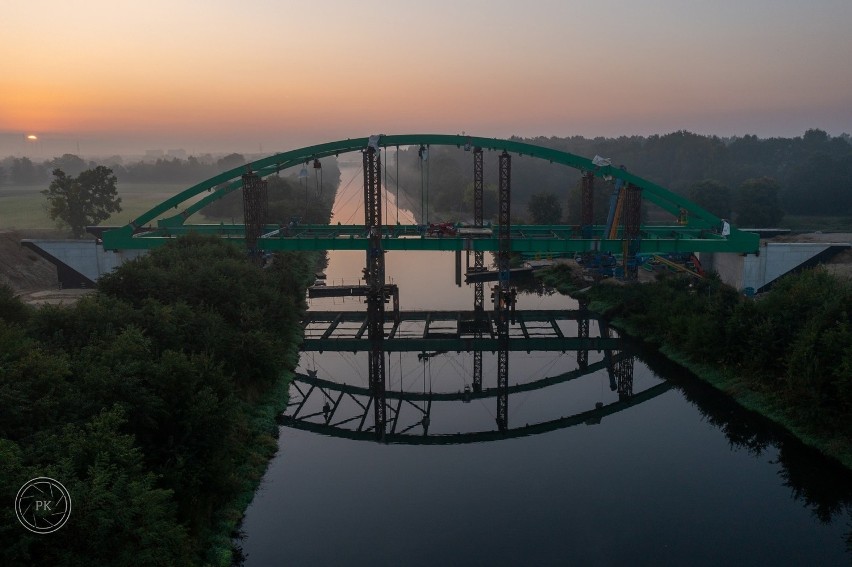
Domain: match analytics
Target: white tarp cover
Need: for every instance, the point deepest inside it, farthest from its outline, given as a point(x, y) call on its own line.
point(601, 161)
point(373, 142)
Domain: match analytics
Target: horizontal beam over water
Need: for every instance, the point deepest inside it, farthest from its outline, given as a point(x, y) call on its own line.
point(530, 239)
point(326, 323)
point(527, 315)
point(463, 344)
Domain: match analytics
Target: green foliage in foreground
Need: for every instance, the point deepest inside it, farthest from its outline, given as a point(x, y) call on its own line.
point(791, 350)
point(149, 401)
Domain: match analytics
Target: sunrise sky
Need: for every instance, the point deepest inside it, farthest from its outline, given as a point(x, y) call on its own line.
point(120, 76)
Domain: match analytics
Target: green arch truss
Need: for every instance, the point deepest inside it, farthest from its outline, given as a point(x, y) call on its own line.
point(700, 233)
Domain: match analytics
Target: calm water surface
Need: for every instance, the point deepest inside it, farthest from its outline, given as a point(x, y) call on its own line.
point(682, 478)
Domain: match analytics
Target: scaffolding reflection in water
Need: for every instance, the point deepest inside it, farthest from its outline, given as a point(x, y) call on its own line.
point(332, 405)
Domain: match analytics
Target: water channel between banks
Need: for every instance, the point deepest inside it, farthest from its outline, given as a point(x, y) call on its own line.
point(669, 473)
point(685, 477)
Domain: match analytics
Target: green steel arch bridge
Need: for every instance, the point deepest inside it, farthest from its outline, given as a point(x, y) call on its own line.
point(693, 229)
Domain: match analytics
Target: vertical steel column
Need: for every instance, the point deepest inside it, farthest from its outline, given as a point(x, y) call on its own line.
point(587, 204)
point(255, 208)
point(375, 273)
point(583, 333)
point(609, 355)
point(632, 224)
point(505, 227)
point(478, 187)
point(624, 377)
point(478, 265)
point(502, 294)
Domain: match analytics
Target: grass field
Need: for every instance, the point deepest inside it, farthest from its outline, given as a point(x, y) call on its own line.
point(813, 224)
point(26, 207)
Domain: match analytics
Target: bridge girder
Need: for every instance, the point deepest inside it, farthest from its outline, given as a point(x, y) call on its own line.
point(531, 239)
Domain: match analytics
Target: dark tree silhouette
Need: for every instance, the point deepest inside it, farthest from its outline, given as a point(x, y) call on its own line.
point(87, 199)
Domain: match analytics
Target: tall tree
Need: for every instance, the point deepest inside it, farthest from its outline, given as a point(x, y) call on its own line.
point(713, 196)
point(230, 161)
point(69, 163)
point(87, 199)
point(757, 203)
point(24, 172)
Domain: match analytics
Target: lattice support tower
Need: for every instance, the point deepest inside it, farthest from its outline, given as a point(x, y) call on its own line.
point(479, 222)
point(632, 227)
point(624, 377)
point(503, 296)
point(478, 263)
point(375, 276)
point(609, 355)
point(255, 210)
point(587, 204)
point(583, 333)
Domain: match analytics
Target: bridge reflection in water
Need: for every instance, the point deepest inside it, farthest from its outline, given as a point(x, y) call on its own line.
point(328, 405)
point(500, 330)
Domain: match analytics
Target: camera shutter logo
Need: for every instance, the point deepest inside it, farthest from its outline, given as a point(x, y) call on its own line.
point(43, 505)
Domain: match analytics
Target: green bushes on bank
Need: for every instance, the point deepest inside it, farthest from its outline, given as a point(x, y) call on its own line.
point(142, 399)
point(792, 346)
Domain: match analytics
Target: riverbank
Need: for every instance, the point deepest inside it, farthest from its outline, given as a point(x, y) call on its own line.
point(787, 356)
point(152, 400)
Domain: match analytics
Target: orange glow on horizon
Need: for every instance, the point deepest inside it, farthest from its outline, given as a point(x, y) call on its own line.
point(127, 72)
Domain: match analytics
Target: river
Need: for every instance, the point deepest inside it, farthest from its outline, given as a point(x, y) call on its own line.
point(669, 473)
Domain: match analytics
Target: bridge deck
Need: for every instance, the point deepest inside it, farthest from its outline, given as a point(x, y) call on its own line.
point(421, 331)
point(531, 239)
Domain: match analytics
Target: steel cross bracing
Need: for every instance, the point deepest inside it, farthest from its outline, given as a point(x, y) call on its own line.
point(375, 275)
point(503, 296)
point(632, 229)
point(478, 262)
point(583, 333)
point(619, 365)
point(255, 209)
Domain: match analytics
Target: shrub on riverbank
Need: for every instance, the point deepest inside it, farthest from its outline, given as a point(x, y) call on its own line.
point(789, 352)
point(144, 400)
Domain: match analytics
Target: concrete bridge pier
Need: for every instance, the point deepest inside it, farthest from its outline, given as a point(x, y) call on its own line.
point(756, 273)
point(79, 263)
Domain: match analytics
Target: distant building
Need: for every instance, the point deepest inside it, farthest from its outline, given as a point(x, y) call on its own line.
point(177, 154)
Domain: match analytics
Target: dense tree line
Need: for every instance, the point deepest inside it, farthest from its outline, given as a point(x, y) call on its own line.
point(145, 399)
point(793, 346)
point(807, 175)
point(23, 171)
point(811, 174)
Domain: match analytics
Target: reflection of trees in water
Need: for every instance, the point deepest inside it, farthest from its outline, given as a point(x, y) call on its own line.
point(823, 485)
point(528, 283)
